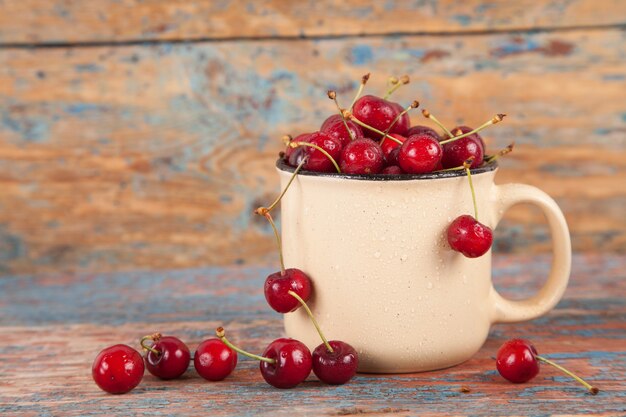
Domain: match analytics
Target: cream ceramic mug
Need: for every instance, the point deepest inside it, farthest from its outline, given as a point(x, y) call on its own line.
point(385, 279)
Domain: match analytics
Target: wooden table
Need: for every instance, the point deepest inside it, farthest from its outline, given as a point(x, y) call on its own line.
point(52, 326)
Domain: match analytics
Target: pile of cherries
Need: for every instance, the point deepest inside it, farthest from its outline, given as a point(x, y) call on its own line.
point(372, 137)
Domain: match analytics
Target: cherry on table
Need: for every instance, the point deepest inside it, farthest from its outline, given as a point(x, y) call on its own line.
point(517, 361)
point(470, 237)
point(278, 285)
point(167, 358)
point(419, 154)
point(118, 369)
point(213, 360)
point(362, 156)
point(336, 367)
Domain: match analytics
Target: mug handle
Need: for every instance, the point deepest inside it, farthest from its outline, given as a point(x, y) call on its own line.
point(508, 311)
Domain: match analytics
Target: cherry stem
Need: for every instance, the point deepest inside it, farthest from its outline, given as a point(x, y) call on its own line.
point(333, 96)
point(466, 166)
point(373, 129)
point(496, 119)
point(263, 210)
point(154, 338)
point(314, 146)
point(415, 104)
point(312, 317)
point(593, 390)
point(360, 90)
point(503, 152)
point(428, 115)
point(268, 216)
point(396, 83)
point(221, 333)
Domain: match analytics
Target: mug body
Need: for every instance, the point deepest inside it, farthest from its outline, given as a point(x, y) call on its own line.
point(385, 279)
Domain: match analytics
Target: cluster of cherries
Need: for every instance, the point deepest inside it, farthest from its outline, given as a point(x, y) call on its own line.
point(372, 137)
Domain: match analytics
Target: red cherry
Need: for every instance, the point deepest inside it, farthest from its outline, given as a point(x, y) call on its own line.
point(389, 145)
point(293, 363)
point(336, 367)
point(117, 369)
point(392, 170)
point(403, 123)
point(293, 156)
point(335, 128)
point(516, 361)
point(459, 151)
point(379, 114)
point(362, 156)
point(419, 154)
point(172, 360)
point(470, 237)
point(419, 130)
point(278, 285)
point(466, 129)
point(214, 360)
point(317, 161)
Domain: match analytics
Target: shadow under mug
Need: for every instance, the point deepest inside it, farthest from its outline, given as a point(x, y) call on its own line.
point(385, 279)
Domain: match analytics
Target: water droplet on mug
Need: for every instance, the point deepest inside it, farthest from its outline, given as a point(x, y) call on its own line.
point(404, 257)
point(376, 254)
point(429, 285)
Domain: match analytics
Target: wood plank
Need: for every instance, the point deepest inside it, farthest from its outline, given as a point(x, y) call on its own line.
point(155, 156)
point(66, 21)
point(53, 326)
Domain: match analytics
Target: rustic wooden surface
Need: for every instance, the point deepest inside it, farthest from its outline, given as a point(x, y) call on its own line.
point(53, 325)
point(55, 21)
point(116, 154)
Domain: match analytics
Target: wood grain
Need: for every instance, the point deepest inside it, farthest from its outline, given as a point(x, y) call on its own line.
point(66, 21)
point(155, 156)
point(53, 325)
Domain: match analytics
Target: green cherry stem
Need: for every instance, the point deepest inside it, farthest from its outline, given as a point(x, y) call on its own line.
point(428, 115)
point(503, 152)
point(360, 90)
point(312, 317)
point(262, 210)
point(415, 104)
point(496, 119)
point(314, 146)
point(269, 218)
point(466, 165)
point(593, 390)
point(395, 85)
point(221, 333)
point(154, 338)
point(333, 96)
point(373, 129)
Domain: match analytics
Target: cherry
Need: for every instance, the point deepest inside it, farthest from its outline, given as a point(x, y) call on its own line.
point(418, 130)
point(167, 358)
point(466, 129)
point(318, 161)
point(419, 154)
point(285, 362)
point(404, 122)
point(335, 128)
point(392, 170)
point(389, 146)
point(466, 234)
point(334, 362)
point(213, 360)
point(362, 156)
point(336, 367)
point(517, 361)
point(294, 155)
point(470, 237)
point(378, 113)
point(278, 285)
point(472, 146)
point(117, 369)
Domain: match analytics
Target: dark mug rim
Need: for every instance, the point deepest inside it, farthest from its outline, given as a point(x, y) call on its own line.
point(283, 166)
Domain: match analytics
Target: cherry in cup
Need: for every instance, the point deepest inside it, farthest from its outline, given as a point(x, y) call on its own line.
point(285, 363)
point(213, 360)
point(118, 369)
point(517, 361)
point(167, 357)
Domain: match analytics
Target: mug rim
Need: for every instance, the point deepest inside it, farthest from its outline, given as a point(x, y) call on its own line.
point(492, 166)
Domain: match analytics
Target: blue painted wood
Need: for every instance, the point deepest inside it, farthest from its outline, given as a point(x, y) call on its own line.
point(53, 325)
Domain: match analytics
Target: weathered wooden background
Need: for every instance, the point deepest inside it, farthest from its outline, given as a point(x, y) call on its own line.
point(141, 134)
